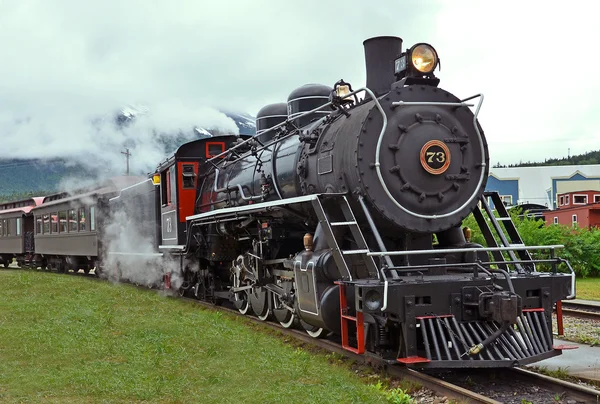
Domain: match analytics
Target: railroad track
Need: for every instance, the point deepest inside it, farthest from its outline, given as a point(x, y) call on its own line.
point(519, 386)
point(531, 386)
point(580, 310)
point(463, 385)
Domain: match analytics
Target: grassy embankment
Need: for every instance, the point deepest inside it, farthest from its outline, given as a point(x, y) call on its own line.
point(68, 339)
point(588, 288)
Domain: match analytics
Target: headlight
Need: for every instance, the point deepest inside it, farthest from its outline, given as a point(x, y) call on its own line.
point(424, 58)
point(372, 300)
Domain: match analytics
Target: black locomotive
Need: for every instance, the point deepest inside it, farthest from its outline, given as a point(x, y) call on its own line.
point(343, 215)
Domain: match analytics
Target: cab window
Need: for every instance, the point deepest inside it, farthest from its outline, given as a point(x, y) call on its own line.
point(188, 176)
point(168, 185)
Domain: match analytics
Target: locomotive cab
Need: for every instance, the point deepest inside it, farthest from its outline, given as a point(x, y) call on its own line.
point(179, 177)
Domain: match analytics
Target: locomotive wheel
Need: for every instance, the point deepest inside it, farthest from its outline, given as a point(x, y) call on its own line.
point(240, 301)
point(285, 317)
point(313, 331)
point(259, 300)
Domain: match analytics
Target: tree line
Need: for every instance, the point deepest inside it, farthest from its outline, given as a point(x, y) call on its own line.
point(588, 158)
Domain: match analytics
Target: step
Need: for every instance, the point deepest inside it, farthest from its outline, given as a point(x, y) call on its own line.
point(342, 223)
point(350, 318)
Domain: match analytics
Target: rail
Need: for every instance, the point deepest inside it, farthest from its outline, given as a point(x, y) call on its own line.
point(470, 249)
point(282, 124)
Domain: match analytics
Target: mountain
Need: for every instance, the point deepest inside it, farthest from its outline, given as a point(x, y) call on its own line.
point(20, 177)
point(245, 122)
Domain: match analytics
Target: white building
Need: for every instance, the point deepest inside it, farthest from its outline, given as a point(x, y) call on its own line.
point(540, 185)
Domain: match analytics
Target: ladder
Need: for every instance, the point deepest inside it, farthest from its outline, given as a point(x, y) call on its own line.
point(358, 320)
point(508, 238)
point(340, 256)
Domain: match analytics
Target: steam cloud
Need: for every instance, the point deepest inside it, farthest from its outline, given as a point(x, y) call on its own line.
point(129, 253)
point(97, 142)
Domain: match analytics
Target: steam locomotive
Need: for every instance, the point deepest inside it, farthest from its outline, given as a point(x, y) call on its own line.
point(343, 216)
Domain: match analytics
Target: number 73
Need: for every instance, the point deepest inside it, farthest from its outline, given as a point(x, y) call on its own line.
point(440, 157)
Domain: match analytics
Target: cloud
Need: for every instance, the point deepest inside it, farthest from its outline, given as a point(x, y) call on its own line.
point(66, 61)
point(532, 61)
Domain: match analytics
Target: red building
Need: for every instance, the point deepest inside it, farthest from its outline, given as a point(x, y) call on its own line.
point(581, 209)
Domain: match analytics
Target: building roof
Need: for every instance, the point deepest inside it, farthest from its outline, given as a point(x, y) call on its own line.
point(589, 206)
point(535, 182)
point(23, 209)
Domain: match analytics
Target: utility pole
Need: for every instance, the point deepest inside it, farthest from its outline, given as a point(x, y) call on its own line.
point(127, 155)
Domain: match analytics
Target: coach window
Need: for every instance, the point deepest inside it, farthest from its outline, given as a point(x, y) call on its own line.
point(579, 199)
point(1, 228)
point(38, 225)
point(54, 222)
point(81, 219)
point(92, 218)
point(574, 220)
point(555, 220)
point(72, 220)
point(596, 198)
point(18, 230)
point(7, 227)
point(62, 220)
point(46, 224)
point(567, 200)
point(561, 201)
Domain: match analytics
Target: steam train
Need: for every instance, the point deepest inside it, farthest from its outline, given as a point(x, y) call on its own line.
point(342, 216)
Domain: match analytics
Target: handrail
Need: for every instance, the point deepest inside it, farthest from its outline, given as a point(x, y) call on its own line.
point(471, 249)
point(237, 187)
point(573, 291)
point(279, 125)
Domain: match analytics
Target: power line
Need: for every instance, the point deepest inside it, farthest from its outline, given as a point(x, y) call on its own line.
point(127, 155)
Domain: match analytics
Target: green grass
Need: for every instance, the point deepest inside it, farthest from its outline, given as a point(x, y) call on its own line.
point(588, 288)
point(66, 339)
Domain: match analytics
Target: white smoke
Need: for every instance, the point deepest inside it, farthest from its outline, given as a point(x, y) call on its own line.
point(130, 248)
point(97, 143)
point(130, 255)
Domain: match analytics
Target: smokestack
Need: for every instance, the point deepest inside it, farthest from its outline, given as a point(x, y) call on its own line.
point(380, 54)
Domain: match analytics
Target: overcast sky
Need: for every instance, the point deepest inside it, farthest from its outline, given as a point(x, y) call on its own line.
point(65, 62)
